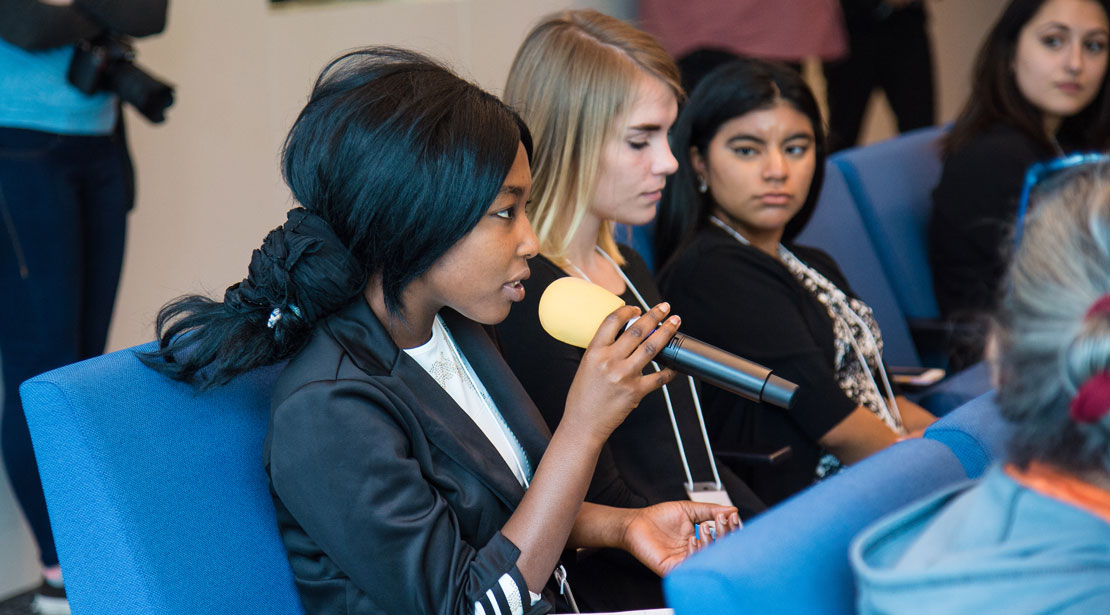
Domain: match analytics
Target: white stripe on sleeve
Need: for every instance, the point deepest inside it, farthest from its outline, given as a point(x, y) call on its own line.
point(512, 594)
point(493, 602)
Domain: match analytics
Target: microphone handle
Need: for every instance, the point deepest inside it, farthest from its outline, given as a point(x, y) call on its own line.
point(727, 371)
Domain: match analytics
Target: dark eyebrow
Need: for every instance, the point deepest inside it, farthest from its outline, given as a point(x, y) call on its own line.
point(1056, 25)
point(745, 138)
point(517, 191)
point(645, 128)
point(799, 135)
point(1053, 26)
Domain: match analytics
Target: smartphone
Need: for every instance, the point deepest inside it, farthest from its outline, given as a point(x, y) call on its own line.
point(917, 377)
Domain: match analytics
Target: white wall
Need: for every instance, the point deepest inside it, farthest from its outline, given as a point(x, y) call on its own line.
point(19, 569)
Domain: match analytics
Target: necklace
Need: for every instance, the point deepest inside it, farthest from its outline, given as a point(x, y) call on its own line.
point(839, 308)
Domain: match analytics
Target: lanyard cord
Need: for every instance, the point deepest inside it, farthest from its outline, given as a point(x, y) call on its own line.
point(892, 408)
point(666, 390)
point(840, 299)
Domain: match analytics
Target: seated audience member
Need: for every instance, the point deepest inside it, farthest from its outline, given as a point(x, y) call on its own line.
point(620, 89)
point(410, 472)
point(1038, 91)
point(599, 96)
point(751, 158)
point(1033, 535)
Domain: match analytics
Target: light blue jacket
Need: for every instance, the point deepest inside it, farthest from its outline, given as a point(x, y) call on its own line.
point(35, 94)
point(988, 547)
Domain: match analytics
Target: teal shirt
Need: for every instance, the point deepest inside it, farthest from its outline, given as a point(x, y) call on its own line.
point(989, 547)
point(34, 94)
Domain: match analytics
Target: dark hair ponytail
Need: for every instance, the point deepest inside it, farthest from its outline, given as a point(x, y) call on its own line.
point(394, 159)
point(302, 273)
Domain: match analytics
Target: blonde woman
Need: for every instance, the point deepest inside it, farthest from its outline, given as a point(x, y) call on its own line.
point(599, 97)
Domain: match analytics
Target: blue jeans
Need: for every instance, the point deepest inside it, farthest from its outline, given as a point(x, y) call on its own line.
point(63, 214)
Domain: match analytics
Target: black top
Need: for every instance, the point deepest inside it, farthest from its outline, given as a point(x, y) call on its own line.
point(640, 464)
point(974, 206)
point(36, 25)
point(744, 301)
point(389, 498)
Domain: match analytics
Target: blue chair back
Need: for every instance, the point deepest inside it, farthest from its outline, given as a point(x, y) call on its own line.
point(837, 228)
point(794, 557)
point(976, 433)
point(640, 239)
point(157, 494)
point(892, 183)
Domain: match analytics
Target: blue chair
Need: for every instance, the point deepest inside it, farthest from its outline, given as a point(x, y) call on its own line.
point(892, 184)
point(976, 433)
point(640, 239)
point(156, 493)
point(837, 228)
point(794, 557)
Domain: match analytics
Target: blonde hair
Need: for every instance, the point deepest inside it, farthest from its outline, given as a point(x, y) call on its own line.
point(570, 79)
point(1048, 344)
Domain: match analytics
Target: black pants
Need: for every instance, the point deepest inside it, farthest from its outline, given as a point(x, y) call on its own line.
point(63, 212)
point(888, 51)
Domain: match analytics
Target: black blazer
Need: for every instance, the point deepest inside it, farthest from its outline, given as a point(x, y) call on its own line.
point(389, 498)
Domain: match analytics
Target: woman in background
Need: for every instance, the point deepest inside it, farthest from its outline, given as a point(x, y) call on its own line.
point(409, 471)
point(1038, 91)
point(1033, 535)
point(599, 96)
point(751, 159)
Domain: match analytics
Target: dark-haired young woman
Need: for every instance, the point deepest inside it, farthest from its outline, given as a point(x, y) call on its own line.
point(1039, 90)
point(751, 158)
point(409, 470)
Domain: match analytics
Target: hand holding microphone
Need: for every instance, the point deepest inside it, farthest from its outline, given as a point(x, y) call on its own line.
point(571, 310)
point(610, 381)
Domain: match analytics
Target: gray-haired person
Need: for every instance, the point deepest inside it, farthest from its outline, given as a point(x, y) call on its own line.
point(1034, 534)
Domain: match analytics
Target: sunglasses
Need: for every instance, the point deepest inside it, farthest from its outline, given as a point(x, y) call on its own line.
point(1041, 171)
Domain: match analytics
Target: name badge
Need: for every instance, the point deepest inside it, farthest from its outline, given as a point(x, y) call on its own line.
point(708, 493)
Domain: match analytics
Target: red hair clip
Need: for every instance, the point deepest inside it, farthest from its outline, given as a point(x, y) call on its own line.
point(1092, 402)
point(1100, 306)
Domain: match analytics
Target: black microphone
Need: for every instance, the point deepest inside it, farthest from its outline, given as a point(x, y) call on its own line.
point(572, 309)
point(725, 370)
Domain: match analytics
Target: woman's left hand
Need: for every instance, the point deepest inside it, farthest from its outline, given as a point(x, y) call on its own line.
point(662, 535)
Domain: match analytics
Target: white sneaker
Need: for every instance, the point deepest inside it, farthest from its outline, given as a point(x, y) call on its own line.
point(50, 599)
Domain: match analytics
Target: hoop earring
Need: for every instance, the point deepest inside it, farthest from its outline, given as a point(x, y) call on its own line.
point(702, 186)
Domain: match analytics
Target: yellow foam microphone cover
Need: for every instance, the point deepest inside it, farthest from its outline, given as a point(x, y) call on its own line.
point(571, 310)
